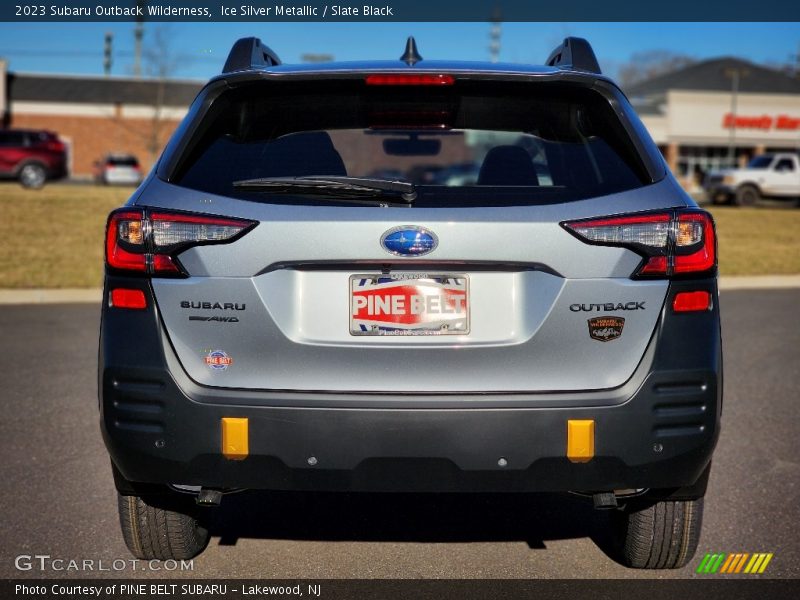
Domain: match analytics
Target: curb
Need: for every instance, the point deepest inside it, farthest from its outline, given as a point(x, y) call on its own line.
point(94, 295)
point(61, 296)
point(759, 282)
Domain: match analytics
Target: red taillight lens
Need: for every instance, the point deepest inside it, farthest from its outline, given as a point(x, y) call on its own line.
point(673, 243)
point(415, 79)
point(126, 298)
point(691, 301)
point(695, 243)
point(54, 145)
point(147, 242)
point(125, 241)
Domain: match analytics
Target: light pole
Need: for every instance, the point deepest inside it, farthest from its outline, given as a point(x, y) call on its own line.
point(735, 73)
point(138, 34)
point(495, 35)
point(107, 52)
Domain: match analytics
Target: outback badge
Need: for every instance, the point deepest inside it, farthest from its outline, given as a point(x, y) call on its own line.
point(605, 328)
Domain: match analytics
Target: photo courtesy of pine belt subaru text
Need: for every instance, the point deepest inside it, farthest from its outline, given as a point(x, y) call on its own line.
point(411, 276)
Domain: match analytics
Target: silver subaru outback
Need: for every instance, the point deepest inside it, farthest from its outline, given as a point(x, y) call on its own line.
point(418, 276)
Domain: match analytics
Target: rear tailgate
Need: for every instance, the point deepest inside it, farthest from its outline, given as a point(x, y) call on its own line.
point(273, 309)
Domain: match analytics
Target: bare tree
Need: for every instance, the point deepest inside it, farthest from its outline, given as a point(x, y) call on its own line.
point(160, 64)
point(652, 63)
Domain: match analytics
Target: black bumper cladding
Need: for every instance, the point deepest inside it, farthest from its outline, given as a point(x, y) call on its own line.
point(657, 432)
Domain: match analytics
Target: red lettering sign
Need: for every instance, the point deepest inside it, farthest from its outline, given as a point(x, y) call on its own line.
point(786, 122)
point(764, 122)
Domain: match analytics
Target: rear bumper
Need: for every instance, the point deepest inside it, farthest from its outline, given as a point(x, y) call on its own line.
point(121, 178)
point(162, 428)
point(58, 169)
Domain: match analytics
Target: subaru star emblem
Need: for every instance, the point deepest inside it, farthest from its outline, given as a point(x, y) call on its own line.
point(409, 240)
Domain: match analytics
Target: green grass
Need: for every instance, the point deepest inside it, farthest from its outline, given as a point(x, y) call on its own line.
point(758, 241)
point(53, 238)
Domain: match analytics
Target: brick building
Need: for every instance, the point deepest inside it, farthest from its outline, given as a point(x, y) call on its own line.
point(688, 113)
point(96, 115)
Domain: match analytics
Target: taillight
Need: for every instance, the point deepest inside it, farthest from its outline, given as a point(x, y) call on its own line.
point(672, 243)
point(54, 145)
point(695, 243)
point(409, 79)
point(148, 241)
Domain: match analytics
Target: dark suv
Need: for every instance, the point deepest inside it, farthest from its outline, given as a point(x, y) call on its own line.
point(32, 156)
point(292, 304)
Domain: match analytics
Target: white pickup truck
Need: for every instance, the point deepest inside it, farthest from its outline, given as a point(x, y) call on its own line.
point(775, 176)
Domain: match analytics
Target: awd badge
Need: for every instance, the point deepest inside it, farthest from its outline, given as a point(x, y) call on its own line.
point(605, 328)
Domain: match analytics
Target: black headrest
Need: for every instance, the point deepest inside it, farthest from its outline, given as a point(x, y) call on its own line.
point(299, 154)
point(507, 165)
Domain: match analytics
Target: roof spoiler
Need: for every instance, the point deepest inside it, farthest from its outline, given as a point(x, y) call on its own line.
point(575, 53)
point(249, 53)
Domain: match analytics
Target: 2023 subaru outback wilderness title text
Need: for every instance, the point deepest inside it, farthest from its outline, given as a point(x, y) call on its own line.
point(411, 276)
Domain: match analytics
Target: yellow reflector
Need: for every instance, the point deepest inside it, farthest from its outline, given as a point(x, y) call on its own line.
point(235, 439)
point(580, 440)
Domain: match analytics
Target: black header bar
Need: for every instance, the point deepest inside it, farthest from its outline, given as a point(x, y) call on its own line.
point(73, 11)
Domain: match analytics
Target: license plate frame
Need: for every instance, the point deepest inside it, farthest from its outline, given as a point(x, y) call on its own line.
point(409, 317)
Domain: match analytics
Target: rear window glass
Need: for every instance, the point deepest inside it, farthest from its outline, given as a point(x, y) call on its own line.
point(12, 138)
point(472, 143)
point(760, 162)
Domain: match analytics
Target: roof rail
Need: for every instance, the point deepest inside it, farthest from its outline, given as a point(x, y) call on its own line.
point(575, 53)
point(249, 53)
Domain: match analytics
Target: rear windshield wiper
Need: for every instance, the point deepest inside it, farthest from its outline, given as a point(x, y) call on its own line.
point(335, 187)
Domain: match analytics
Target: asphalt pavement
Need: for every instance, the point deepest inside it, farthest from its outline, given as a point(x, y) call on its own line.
point(58, 497)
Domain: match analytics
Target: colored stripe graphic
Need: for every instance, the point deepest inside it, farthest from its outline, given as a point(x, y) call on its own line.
point(710, 563)
point(738, 562)
point(742, 560)
point(726, 566)
point(734, 561)
point(764, 564)
point(718, 563)
point(702, 567)
point(755, 562)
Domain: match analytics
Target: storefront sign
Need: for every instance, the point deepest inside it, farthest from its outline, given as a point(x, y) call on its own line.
point(764, 122)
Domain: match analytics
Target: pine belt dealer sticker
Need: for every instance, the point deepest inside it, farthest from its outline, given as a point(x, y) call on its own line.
point(218, 360)
point(606, 328)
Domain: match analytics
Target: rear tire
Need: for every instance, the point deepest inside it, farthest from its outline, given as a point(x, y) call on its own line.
point(156, 532)
point(747, 195)
point(660, 535)
point(32, 176)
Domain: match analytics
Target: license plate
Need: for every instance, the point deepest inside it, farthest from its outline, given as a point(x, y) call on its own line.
point(409, 304)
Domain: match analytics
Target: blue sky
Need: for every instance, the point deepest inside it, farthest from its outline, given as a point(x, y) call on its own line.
point(202, 48)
